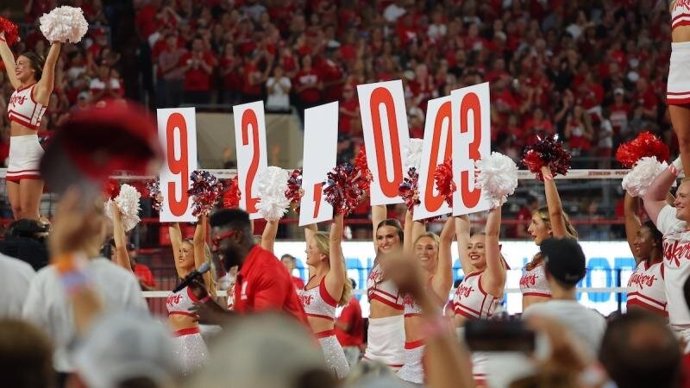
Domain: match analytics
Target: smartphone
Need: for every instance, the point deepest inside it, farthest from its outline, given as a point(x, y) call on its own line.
point(499, 336)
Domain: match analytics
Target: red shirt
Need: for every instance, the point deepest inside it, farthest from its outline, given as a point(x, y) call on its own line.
point(144, 274)
point(197, 80)
point(263, 284)
point(352, 317)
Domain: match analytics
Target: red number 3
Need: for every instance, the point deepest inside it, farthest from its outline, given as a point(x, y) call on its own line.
point(178, 166)
point(470, 102)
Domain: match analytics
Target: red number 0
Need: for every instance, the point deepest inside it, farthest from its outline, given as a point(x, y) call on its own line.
point(383, 96)
point(177, 166)
point(318, 189)
point(249, 118)
point(470, 102)
point(434, 202)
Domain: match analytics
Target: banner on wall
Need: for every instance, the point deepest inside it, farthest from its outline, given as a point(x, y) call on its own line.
point(609, 264)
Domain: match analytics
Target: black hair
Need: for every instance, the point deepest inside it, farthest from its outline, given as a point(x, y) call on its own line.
point(656, 234)
point(394, 223)
point(37, 63)
point(288, 256)
point(231, 218)
point(652, 364)
point(531, 199)
point(354, 283)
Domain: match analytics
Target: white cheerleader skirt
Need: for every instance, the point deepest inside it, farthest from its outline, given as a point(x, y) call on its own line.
point(413, 370)
point(385, 341)
point(678, 87)
point(333, 353)
point(190, 350)
point(25, 157)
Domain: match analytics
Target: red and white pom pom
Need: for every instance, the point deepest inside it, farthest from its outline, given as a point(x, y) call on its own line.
point(294, 188)
point(232, 195)
point(409, 189)
point(497, 178)
point(64, 24)
point(127, 200)
point(637, 181)
point(443, 176)
point(154, 192)
point(271, 186)
point(341, 190)
point(547, 152)
point(645, 144)
point(206, 191)
point(11, 31)
point(112, 188)
point(362, 167)
point(414, 154)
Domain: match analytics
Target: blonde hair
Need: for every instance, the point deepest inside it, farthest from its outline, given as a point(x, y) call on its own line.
point(433, 236)
point(543, 214)
point(322, 241)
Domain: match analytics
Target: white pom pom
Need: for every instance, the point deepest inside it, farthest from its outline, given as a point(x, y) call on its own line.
point(637, 181)
point(64, 24)
point(128, 203)
point(271, 187)
point(496, 177)
point(414, 154)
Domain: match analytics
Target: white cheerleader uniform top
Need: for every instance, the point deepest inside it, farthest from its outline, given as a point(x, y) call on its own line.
point(676, 265)
point(680, 14)
point(317, 302)
point(533, 282)
point(471, 301)
point(23, 109)
point(646, 288)
point(385, 291)
point(410, 307)
point(181, 302)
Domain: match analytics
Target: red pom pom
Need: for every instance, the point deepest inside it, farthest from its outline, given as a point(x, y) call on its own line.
point(341, 189)
point(153, 190)
point(444, 180)
point(232, 194)
point(206, 190)
point(10, 29)
point(547, 152)
point(645, 144)
point(363, 168)
point(409, 189)
point(294, 190)
point(112, 188)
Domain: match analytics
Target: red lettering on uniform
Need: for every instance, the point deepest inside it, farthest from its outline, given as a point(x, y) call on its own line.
point(17, 100)
point(527, 281)
point(306, 299)
point(642, 280)
point(675, 251)
point(464, 290)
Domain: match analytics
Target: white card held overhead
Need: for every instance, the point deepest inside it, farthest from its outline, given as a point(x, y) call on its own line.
point(250, 146)
point(177, 133)
point(471, 142)
point(438, 147)
point(386, 134)
point(320, 151)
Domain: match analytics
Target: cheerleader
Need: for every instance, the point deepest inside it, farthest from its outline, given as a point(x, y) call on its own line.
point(326, 289)
point(189, 254)
point(32, 78)
point(678, 86)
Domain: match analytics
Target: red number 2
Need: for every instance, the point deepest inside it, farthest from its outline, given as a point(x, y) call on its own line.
point(249, 118)
point(433, 202)
point(178, 166)
point(470, 102)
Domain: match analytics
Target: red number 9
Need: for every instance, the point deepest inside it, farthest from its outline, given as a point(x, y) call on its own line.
point(177, 166)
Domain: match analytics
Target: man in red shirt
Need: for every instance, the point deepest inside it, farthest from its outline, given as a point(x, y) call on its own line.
point(349, 329)
point(262, 283)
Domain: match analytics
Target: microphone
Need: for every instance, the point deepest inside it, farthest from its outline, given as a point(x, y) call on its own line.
point(191, 276)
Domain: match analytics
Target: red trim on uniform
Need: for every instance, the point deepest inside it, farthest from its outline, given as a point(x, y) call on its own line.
point(679, 16)
point(192, 296)
point(185, 313)
point(414, 344)
point(18, 171)
point(479, 285)
point(325, 295)
point(25, 87)
point(645, 306)
point(677, 101)
point(31, 95)
point(408, 315)
point(14, 112)
point(467, 314)
point(24, 123)
point(321, 316)
point(18, 178)
point(325, 333)
point(386, 302)
point(663, 276)
point(641, 296)
point(541, 294)
point(394, 366)
point(379, 291)
point(189, 331)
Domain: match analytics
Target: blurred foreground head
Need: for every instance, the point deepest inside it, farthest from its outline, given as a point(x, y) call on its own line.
point(26, 356)
point(265, 351)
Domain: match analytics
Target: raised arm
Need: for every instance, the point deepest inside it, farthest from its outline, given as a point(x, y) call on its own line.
point(462, 233)
point(45, 85)
point(442, 281)
point(378, 214)
point(409, 230)
point(121, 254)
point(336, 276)
point(632, 221)
point(655, 197)
point(176, 243)
point(8, 61)
point(495, 278)
point(199, 243)
point(268, 237)
point(553, 203)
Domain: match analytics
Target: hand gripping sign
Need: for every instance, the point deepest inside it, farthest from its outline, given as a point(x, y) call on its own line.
point(320, 151)
point(250, 146)
point(436, 149)
point(471, 141)
point(384, 123)
point(177, 132)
